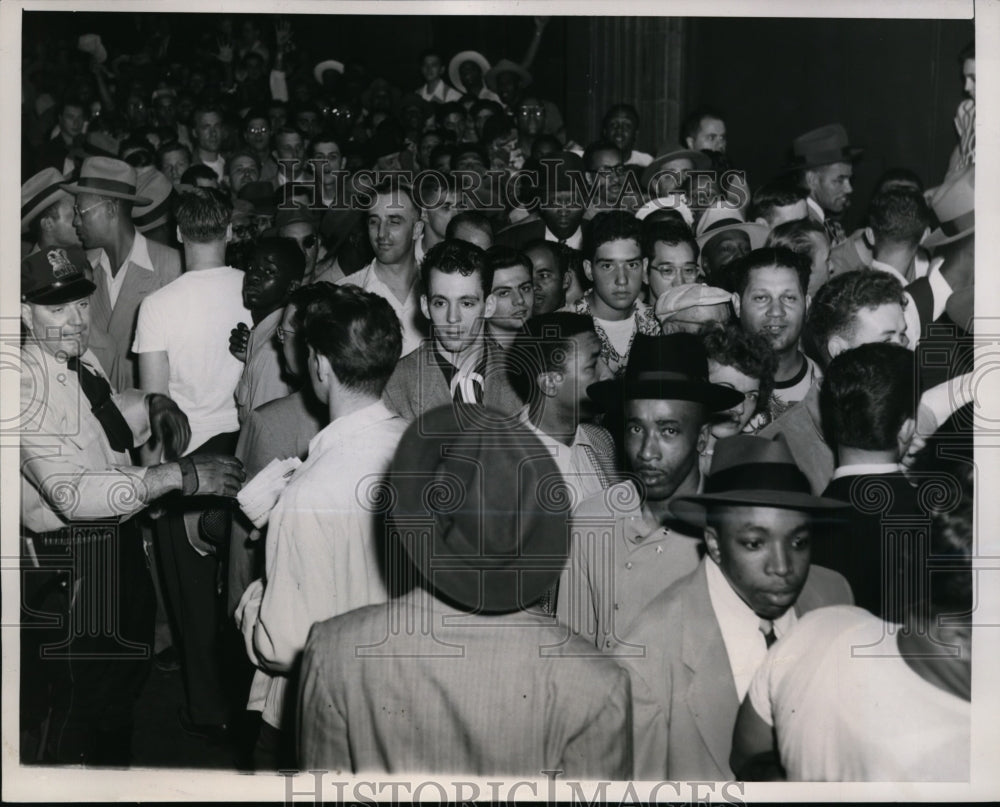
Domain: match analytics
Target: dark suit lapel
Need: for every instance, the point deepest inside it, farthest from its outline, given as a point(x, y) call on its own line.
point(711, 695)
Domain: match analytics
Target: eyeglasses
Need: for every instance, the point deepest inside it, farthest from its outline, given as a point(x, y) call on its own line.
point(283, 334)
point(531, 112)
point(259, 130)
point(672, 268)
point(79, 212)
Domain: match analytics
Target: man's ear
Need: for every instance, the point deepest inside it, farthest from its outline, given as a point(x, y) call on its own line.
point(737, 304)
point(811, 179)
point(870, 234)
point(229, 233)
point(689, 143)
point(905, 436)
point(491, 306)
point(418, 230)
point(712, 544)
point(567, 279)
point(645, 271)
point(588, 271)
point(322, 365)
point(180, 238)
point(26, 315)
point(809, 300)
point(424, 308)
point(703, 434)
point(836, 345)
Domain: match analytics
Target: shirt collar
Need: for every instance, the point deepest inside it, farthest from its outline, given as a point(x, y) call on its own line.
point(575, 241)
point(139, 255)
point(879, 468)
point(816, 208)
point(348, 424)
point(579, 438)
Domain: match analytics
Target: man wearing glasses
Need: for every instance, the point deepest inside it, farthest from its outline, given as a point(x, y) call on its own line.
point(257, 136)
point(672, 254)
point(126, 266)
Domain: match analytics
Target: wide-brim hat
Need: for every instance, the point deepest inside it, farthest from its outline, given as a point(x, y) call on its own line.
point(480, 507)
point(823, 146)
point(751, 470)
point(107, 176)
point(672, 201)
point(159, 190)
point(699, 161)
point(672, 367)
point(506, 66)
point(39, 192)
point(327, 64)
point(954, 205)
point(757, 233)
point(456, 62)
point(55, 275)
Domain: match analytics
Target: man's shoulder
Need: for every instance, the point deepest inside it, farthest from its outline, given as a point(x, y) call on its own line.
point(164, 259)
point(615, 502)
point(669, 602)
point(327, 638)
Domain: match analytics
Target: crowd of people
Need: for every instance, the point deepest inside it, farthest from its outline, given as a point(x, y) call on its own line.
point(440, 438)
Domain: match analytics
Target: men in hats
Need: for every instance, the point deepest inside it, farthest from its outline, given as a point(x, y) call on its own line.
point(697, 645)
point(394, 227)
point(669, 172)
point(904, 713)
point(672, 255)
point(614, 264)
point(192, 364)
point(704, 130)
point(620, 125)
point(850, 310)
point(694, 308)
point(127, 267)
point(472, 647)
point(434, 88)
point(155, 220)
point(322, 545)
point(466, 70)
point(772, 286)
point(825, 161)
point(868, 404)
point(79, 494)
point(723, 238)
point(275, 271)
point(626, 548)
point(47, 212)
point(458, 363)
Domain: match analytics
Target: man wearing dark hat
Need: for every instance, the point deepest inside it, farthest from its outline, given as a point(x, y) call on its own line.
point(127, 267)
point(626, 548)
point(79, 493)
point(696, 646)
point(825, 163)
point(322, 546)
point(47, 212)
point(474, 682)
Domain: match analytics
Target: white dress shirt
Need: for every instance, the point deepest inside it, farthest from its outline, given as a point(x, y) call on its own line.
point(139, 255)
point(740, 628)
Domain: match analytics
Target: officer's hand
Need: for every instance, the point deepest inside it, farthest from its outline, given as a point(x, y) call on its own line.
point(239, 337)
point(218, 475)
point(169, 425)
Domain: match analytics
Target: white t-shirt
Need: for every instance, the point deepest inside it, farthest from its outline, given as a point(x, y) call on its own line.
point(846, 707)
point(190, 319)
point(619, 332)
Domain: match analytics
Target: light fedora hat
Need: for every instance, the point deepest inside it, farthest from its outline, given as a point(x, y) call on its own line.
point(107, 176)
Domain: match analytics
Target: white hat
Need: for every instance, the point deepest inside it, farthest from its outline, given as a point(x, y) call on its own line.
point(456, 62)
point(327, 64)
point(672, 201)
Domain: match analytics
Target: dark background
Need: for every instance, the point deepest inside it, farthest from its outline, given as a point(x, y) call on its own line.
point(894, 84)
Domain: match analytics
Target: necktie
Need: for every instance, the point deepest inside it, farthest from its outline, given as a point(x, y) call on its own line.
point(767, 628)
point(834, 231)
point(98, 392)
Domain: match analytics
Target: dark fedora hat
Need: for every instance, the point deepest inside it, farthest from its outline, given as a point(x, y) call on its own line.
point(672, 367)
point(823, 146)
point(55, 275)
point(480, 507)
point(750, 470)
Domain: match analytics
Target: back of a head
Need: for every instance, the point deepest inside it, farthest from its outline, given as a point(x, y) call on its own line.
point(358, 333)
point(500, 257)
point(470, 218)
point(838, 301)
point(768, 257)
point(542, 347)
point(798, 236)
point(453, 256)
point(203, 215)
point(781, 192)
point(612, 225)
point(899, 216)
point(951, 545)
point(867, 394)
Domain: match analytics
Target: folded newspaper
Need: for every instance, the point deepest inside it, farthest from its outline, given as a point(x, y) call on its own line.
point(260, 494)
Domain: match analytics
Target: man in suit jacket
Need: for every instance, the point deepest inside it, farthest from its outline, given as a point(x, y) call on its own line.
point(459, 364)
point(704, 637)
point(868, 408)
point(473, 683)
point(127, 267)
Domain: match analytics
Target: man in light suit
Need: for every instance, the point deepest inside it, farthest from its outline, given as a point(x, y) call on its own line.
point(127, 267)
point(460, 363)
point(475, 681)
point(704, 637)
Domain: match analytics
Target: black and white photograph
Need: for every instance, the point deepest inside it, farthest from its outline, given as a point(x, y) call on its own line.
point(493, 402)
